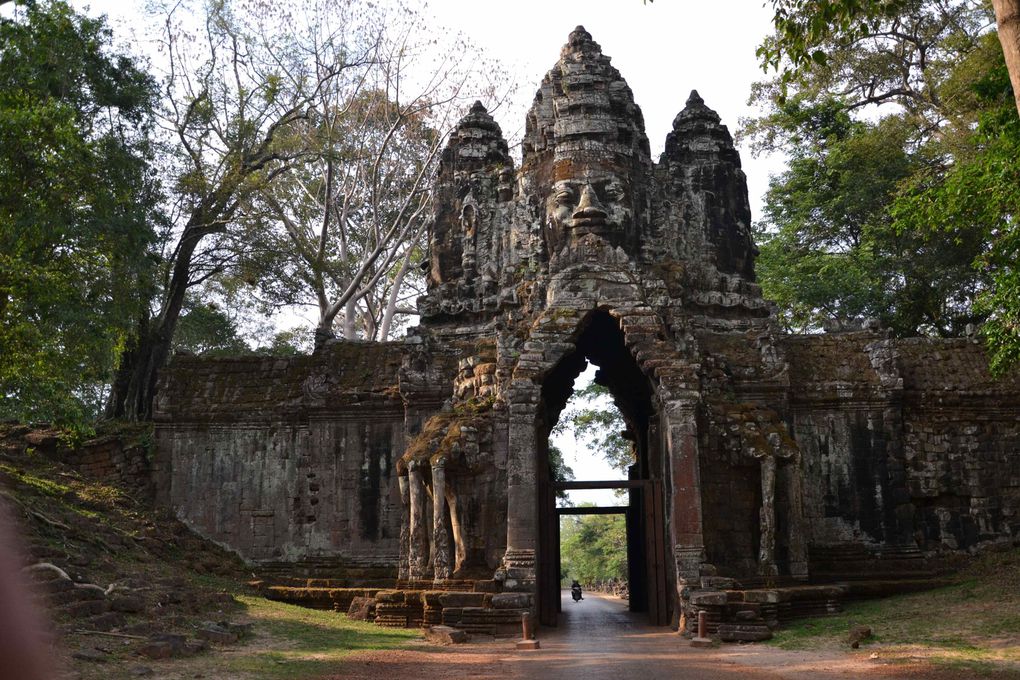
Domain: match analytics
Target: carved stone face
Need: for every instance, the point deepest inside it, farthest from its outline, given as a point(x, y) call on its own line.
point(593, 202)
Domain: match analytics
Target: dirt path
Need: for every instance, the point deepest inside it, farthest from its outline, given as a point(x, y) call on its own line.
point(599, 639)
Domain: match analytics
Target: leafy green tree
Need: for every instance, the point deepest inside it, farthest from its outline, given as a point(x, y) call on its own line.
point(848, 230)
point(205, 328)
point(982, 189)
point(830, 253)
point(807, 29)
point(593, 547)
point(77, 208)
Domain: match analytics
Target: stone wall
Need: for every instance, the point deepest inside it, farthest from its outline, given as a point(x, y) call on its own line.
point(287, 459)
point(121, 458)
point(123, 461)
point(961, 442)
point(904, 443)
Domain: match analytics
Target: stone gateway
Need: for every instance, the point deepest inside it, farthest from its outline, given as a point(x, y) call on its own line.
point(762, 457)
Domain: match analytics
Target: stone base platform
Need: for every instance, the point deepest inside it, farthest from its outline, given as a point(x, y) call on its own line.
point(735, 609)
point(474, 611)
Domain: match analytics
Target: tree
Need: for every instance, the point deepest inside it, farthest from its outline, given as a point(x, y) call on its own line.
point(250, 107)
point(593, 547)
point(343, 231)
point(805, 28)
point(205, 328)
point(830, 252)
point(981, 190)
point(231, 98)
point(1007, 18)
point(944, 69)
point(77, 208)
point(835, 246)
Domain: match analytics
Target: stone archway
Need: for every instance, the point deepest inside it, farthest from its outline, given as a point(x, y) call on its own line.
point(601, 342)
point(620, 341)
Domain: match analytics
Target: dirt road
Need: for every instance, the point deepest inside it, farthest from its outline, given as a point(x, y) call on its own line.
point(598, 639)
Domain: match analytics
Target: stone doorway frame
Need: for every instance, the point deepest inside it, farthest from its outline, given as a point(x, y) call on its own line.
point(553, 337)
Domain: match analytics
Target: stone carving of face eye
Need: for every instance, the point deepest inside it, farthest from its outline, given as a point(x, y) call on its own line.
point(565, 196)
point(614, 192)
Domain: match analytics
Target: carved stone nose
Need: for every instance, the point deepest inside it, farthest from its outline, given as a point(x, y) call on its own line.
point(589, 206)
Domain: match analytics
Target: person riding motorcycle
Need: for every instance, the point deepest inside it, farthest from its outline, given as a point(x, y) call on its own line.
point(575, 591)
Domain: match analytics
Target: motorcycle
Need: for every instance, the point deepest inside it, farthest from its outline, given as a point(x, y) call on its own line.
point(575, 592)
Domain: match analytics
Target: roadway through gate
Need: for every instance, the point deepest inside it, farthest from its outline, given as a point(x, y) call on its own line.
point(599, 639)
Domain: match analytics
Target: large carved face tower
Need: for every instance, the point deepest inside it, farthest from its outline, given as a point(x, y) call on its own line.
point(589, 252)
point(586, 161)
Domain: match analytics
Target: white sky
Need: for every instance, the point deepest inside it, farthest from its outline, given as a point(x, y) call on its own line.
point(587, 464)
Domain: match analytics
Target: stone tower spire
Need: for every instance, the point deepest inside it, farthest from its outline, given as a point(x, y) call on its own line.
point(586, 155)
point(584, 107)
point(704, 167)
point(475, 173)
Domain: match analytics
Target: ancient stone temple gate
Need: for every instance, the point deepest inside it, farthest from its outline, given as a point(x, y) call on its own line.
point(761, 457)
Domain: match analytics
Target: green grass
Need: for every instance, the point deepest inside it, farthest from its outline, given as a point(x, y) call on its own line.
point(972, 626)
point(305, 643)
point(39, 485)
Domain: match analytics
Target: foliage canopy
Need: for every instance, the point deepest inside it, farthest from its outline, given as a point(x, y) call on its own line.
point(77, 207)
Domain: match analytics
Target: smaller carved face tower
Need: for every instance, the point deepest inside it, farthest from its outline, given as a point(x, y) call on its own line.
point(585, 152)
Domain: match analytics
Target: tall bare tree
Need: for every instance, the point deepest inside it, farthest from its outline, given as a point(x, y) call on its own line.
point(237, 83)
point(343, 231)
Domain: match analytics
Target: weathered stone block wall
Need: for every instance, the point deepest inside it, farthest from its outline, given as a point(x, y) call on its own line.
point(903, 442)
point(961, 442)
point(287, 459)
point(118, 460)
point(121, 459)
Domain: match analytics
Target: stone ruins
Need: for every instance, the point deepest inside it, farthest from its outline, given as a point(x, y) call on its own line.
point(765, 462)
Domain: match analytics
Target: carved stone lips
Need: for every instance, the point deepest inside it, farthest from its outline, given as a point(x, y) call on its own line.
point(589, 222)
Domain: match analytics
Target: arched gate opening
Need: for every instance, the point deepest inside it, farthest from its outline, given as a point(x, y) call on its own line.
point(601, 342)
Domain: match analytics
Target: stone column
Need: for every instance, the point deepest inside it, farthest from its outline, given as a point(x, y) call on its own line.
point(685, 523)
point(522, 488)
point(405, 528)
point(789, 475)
point(418, 539)
point(767, 515)
point(440, 533)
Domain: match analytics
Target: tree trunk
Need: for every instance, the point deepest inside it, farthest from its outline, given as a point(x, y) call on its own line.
point(391, 303)
point(1007, 16)
point(351, 319)
point(134, 388)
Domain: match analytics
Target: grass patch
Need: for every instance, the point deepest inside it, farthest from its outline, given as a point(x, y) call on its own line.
point(40, 485)
point(972, 626)
point(305, 642)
